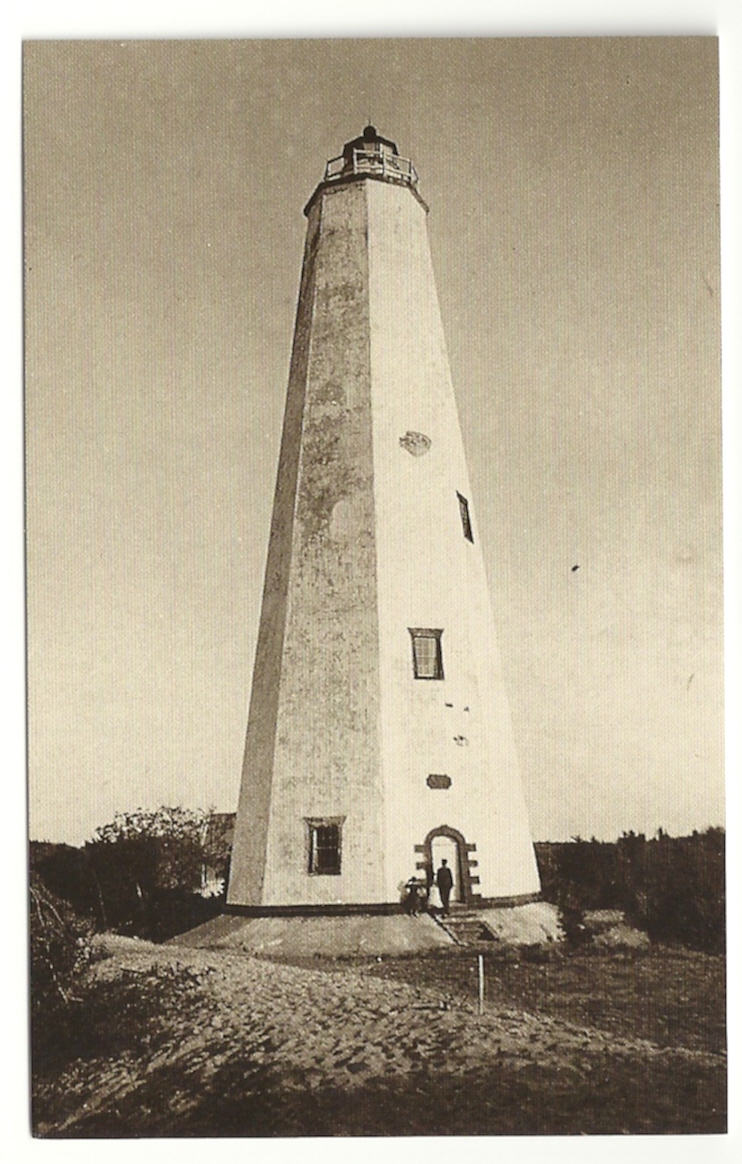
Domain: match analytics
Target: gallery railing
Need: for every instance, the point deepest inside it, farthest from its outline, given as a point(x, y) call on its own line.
point(381, 164)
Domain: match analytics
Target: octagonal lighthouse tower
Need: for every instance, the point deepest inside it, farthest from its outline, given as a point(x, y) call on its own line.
point(379, 738)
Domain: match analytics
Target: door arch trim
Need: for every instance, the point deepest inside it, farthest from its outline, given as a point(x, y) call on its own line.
point(464, 849)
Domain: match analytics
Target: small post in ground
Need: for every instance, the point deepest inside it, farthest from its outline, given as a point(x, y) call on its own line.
point(480, 961)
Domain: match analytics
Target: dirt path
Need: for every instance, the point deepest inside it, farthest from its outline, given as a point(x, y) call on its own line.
point(209, 1043)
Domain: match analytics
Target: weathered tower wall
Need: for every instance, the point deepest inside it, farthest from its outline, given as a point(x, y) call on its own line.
point(312, 749)
point(368, 543)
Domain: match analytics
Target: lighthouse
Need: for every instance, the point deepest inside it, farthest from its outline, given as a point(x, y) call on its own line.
point(379, 738)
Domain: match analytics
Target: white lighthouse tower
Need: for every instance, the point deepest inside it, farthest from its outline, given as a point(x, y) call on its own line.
point(379, 737)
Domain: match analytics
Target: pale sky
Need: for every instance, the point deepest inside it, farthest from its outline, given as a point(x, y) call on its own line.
point(573, 188)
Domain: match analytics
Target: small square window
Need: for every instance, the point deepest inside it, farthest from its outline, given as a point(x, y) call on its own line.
point(427, 657)
point(465, 518)
point(324, 847)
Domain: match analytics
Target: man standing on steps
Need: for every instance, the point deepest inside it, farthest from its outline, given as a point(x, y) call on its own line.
point(444, 881)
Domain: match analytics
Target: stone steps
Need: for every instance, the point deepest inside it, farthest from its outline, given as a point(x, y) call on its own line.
point(465, 927)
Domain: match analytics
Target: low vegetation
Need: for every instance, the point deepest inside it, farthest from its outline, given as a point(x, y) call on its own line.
point(146, 874)
point(672, 887)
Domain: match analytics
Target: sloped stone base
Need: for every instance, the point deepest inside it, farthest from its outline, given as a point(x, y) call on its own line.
point(524, 925)
point(306, 936)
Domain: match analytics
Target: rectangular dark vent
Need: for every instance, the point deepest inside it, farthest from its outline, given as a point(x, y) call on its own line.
point(438, 780)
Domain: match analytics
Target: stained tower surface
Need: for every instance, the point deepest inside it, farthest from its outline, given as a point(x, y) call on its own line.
point(379, 735)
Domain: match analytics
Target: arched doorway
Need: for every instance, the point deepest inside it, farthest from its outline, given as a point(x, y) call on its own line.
point(444, 848)
point(445, 842)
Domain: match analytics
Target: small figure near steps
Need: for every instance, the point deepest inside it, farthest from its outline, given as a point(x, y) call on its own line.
point(416, 896)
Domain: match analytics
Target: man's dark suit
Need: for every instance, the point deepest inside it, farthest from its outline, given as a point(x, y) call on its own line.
point(444, 881)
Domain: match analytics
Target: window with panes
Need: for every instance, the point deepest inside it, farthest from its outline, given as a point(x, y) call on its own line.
point(324, 847)
point(427, 656)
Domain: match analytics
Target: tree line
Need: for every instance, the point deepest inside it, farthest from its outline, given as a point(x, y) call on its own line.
point(672, 887)
point(151, 874)
point(155, 874)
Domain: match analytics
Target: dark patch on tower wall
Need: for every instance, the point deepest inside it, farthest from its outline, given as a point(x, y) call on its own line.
point(416, 443)
point(438, 780)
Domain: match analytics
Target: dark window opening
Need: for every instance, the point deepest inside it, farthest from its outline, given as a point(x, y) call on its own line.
point(324, 847)
point(427, 657)
point(465, 518)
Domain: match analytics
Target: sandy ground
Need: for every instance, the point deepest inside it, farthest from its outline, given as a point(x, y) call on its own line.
point(244, 1046)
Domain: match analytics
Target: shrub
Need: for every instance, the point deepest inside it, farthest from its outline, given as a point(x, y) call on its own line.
point(143, 873)
point(673, 887)
point(60, 950)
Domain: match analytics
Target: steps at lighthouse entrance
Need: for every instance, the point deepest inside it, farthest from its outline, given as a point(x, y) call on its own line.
point(465, 927)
